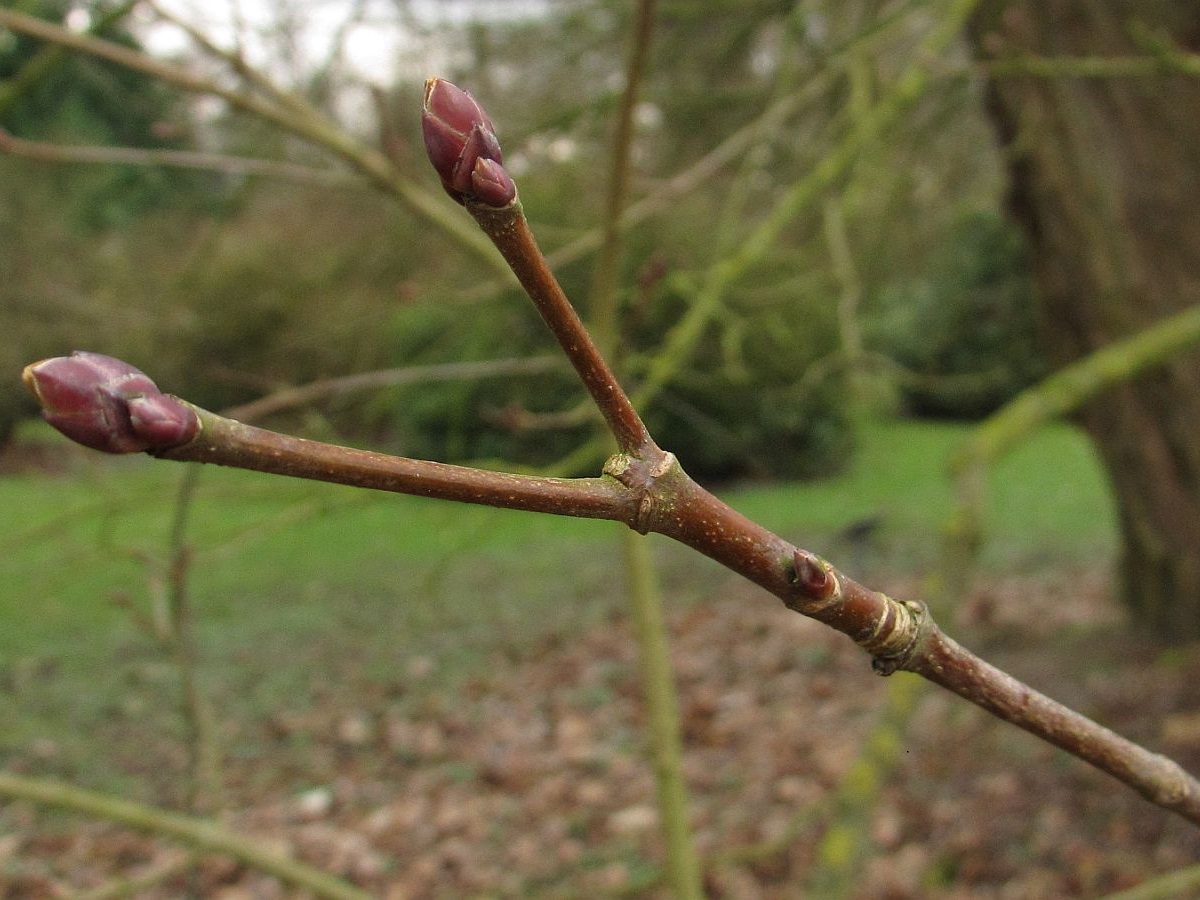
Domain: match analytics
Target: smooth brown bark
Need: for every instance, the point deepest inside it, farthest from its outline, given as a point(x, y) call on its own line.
point(1105, 179)
point(655, 494)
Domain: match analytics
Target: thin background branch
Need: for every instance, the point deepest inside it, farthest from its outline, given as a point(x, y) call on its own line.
point(181, 159)
point(198, 833)
point(309, 125)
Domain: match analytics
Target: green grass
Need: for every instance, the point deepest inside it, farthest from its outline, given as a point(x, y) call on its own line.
point(67, 545)
point(298, 586)
point(1048, 501)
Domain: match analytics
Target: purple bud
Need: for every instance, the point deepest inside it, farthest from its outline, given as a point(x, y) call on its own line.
point(458, 136)
point(162, 420)
point(109, 405)
point(812, 576)
point(491, 183)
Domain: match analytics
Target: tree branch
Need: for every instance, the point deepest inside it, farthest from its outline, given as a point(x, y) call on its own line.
point(683, 337)
point(650, 492)
point(109, 405)
point(225, 442)
point(290, 398)
point(509, 230)
point(179, 159)
point(1052, 398)
point(373, 165)
point(49, 58)
point(1178, 63)
point(198, 833)
point(237, 62)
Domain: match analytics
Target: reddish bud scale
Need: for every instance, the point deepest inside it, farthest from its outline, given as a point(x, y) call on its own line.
point(462, 146)
point(812, 577)
point(106, 404)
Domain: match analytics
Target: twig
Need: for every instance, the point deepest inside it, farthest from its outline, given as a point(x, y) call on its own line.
point(373, 165)
point(682, 338)
point(602, 295)
point(1167, 887)
point(226, 442)
point(205, 787)
point(518, 418)
point(180, 159)
point(849, 299)
point(509, 230)
point(682, 864)
point(645, 596)
point(198, 833)
point(1052, 398)
point(49, 58)
point(648, 492)
point(290, 398)
point(236, 61)
point(1073, 385)
point(1089, 66)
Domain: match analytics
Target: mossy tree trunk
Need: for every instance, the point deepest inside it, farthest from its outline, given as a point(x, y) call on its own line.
point(1105, 180)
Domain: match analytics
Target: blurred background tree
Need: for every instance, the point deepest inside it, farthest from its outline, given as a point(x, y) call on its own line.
point(1105, 173)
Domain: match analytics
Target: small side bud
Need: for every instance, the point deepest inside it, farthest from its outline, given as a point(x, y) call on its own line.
point(162, 421)
point(491, 183)
point(106, 404)
point(813, 577)
point(459, 136)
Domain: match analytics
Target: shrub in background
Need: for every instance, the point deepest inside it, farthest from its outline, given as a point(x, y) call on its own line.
point(967, 327)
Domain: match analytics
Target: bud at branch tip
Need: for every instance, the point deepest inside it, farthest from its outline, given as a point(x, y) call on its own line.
point(462, 146)
point(109, 405)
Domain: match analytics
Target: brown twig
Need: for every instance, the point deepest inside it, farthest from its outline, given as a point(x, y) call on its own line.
point(226, 442)
point(509, 231)
point(643, 486)
point(898, 634)
point(648, 492)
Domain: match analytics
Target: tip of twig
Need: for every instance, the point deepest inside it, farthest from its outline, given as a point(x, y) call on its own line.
point(462, 146)
point(107, 404)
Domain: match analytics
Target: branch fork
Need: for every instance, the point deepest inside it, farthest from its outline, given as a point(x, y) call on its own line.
point(109, 405)
point(643, 478)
